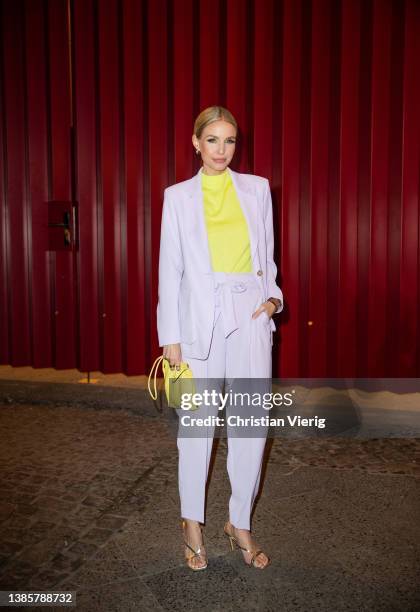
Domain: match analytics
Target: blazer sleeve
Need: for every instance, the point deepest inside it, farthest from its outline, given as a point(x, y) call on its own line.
point(272, 287)
point(171, 268)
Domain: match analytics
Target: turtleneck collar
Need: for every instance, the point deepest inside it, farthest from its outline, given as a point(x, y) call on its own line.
point(215, 182)
point(213, 176)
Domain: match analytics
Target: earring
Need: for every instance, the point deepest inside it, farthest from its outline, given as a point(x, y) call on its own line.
point(197, 151)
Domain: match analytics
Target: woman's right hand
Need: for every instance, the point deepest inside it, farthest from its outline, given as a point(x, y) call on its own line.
point(172, 352)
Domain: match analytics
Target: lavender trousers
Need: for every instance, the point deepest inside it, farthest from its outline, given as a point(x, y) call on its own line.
point(240, 349)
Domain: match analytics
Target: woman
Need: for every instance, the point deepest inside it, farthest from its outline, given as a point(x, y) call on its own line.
point(217, 294)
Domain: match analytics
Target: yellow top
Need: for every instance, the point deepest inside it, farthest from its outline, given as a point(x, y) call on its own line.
point(227, 229)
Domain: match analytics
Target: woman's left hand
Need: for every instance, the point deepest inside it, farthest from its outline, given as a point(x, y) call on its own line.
point(269, 308)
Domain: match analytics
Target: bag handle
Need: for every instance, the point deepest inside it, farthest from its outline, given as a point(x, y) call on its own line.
point(155, 367)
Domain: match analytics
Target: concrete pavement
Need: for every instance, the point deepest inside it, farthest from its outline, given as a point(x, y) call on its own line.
point(90, 503)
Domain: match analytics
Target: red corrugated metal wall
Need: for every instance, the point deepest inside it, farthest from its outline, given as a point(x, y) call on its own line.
point(98, 101)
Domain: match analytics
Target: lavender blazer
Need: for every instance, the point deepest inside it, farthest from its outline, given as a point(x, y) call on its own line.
point(186, 303)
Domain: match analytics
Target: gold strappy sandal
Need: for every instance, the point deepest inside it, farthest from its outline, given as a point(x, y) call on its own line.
point(254, 553)
point(195, 553)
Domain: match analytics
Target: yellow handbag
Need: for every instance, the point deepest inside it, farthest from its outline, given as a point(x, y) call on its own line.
point(177, 383)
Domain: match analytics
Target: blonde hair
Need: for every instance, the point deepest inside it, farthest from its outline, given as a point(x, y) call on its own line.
point(210, 114)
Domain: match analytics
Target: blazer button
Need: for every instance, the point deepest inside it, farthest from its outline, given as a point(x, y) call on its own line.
point(260, 272)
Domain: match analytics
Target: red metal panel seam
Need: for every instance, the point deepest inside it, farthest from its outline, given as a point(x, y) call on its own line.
point(409, 289)
point(291, 198)
point(158, 121)
point(16, 169)
point(236, 83)
point(262, 119)
point(122, 191)
point(27, 203)
point(211, 56)
point(344, 275)
point(249, 80)
point(99, 193)
point(392, 305)
point(110, 160)
point(37, 179)
point(341, 23)
point(50, 256)
point(134, 179)
point(196, 79)
point(86, 156)
point(170, 95)
point(305, 194)
point(223, 54)
point(147, 190)
point(261, 85)
point(277, 154)
point(379, 196)
point(75, 182)
point(61, 178)
point(183, 72)
point(319, 193)
point(364, 185)
point(5, 293)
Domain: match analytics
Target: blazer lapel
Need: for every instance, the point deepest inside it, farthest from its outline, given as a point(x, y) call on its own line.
point(197, 222)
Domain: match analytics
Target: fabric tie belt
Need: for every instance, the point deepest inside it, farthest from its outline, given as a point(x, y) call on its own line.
point(225, 286)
